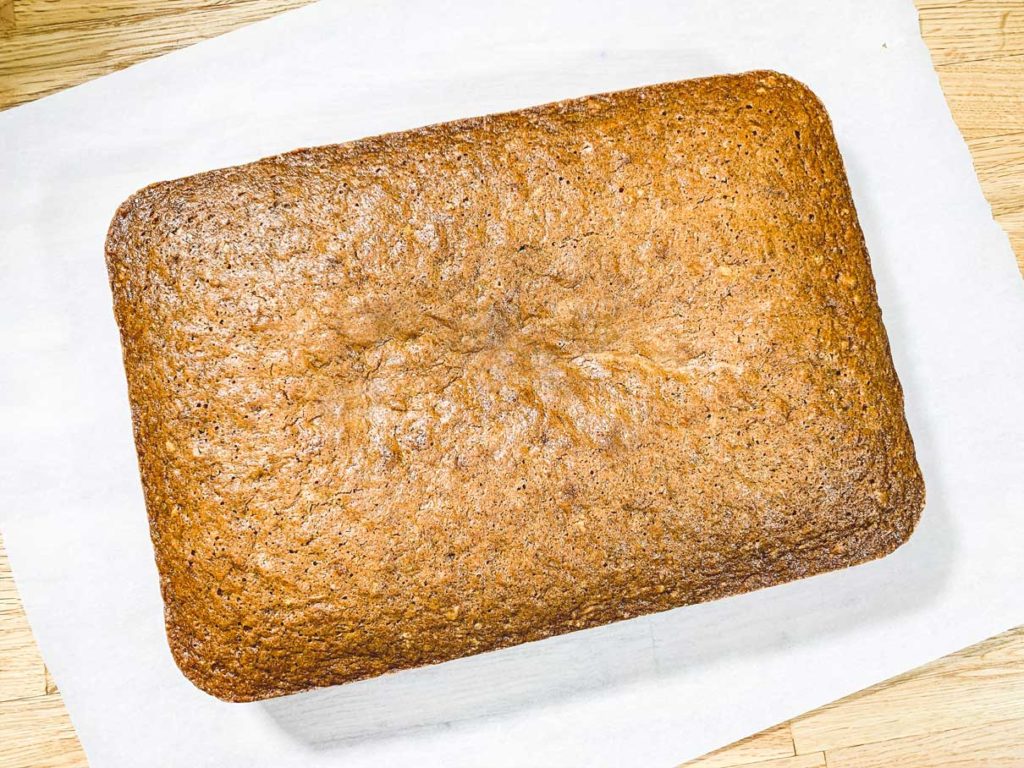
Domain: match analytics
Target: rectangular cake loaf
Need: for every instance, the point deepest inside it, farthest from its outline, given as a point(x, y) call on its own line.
point(439, 392)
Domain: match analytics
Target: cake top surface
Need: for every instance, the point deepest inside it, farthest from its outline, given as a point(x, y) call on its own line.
point(443, 391)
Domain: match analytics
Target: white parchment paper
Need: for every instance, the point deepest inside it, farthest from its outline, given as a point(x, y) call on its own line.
point(652, 691)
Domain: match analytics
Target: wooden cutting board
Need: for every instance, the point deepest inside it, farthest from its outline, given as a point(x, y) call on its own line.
point(964, 710)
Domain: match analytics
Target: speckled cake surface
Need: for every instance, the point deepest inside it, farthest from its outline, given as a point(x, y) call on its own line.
point(444, 391)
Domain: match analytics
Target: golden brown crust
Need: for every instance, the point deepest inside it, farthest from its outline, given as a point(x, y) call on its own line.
point(443, 391)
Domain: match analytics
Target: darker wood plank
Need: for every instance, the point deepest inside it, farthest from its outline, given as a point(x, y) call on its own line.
point(6, 17)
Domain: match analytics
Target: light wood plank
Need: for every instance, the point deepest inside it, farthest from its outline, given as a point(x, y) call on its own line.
point(82, 15)
point(986, 97)
point(36, 733)
point(1013, 225)
point(21, 668)
point(817, 760)
point(45, 54)
point(771, 744)
point(984, 684)
point(969, 30)
point(999, 161)
point(996, 745)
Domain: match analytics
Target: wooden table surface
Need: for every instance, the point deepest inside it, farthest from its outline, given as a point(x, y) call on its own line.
point(964, 710)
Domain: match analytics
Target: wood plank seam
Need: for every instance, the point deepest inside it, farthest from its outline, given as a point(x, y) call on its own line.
point(939, 732)
point(948, 65)
point(1010, 58)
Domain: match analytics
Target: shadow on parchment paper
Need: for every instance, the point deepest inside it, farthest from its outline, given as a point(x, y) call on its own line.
point(683, 640)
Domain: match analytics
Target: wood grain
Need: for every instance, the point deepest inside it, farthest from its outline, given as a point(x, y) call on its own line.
point(768, 745)
point(964, 710)
point(22, 673)
point(36, 732)
point(816, 760)
point(980, 746)
point(55, 44)
point(1000, 164)
point(986, 97)
point(984, 684)
point(958, 31)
